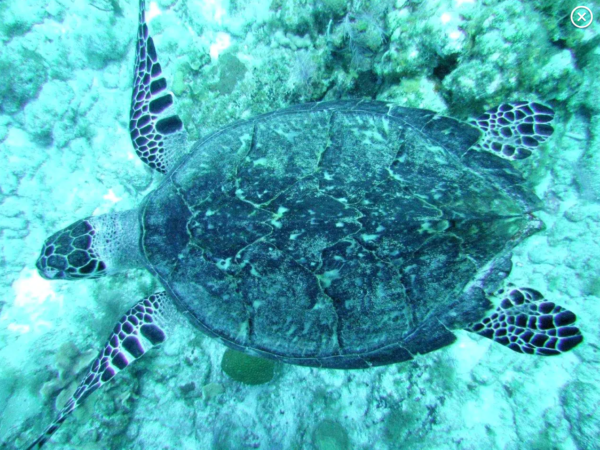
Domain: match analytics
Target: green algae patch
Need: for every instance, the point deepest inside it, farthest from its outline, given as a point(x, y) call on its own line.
point(247, 369)
point(330, 435)
point(231, 71)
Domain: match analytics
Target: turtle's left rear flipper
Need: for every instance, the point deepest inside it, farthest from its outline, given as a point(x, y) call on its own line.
point(526, 323)
point(139, 330)
point(157, 132)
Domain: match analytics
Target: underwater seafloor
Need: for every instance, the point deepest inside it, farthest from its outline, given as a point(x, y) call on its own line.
point(65, 83)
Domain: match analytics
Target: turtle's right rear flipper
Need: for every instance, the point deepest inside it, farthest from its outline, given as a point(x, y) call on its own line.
point(139, 330)
point(514, 130)
point(526, 323)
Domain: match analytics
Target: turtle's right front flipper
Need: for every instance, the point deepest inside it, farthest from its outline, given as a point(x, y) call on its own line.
point(139, 330)
point(157, 132)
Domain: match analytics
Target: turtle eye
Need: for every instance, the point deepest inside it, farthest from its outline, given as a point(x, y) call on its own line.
point(69, 254)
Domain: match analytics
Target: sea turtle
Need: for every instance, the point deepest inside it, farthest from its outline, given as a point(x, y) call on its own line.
point(344, 234)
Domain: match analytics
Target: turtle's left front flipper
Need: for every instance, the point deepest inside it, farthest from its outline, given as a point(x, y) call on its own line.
point(526, 323)
point(157, 132)
point(139, 330)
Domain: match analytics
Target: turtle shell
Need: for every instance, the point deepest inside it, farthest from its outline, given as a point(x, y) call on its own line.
point(342, 234)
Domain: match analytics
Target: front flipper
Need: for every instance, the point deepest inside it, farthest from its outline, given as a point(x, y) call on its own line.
point(526, 323)
point(139, 330)
point(157, 133)
point(514, 130)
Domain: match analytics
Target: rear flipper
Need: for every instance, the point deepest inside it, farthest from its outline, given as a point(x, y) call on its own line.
point(140, 329)
point(526, 323)
point(514, 130)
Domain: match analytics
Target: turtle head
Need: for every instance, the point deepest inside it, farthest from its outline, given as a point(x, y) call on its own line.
point(91, 248)
point(70, 254)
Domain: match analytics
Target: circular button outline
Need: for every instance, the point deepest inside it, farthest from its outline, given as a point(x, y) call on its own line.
point(588, 10)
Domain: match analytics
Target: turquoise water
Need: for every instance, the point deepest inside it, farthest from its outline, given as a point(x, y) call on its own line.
point(66, 73)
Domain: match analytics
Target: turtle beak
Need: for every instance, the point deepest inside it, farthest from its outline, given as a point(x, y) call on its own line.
point(48, 273)
point(41, 271)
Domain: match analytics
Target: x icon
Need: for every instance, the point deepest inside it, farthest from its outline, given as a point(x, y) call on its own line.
point(582, 20)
